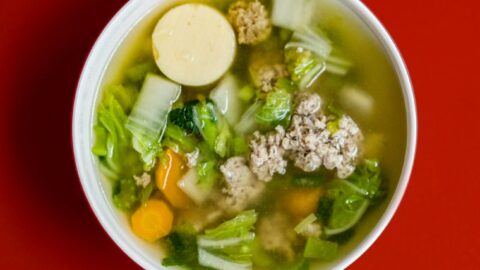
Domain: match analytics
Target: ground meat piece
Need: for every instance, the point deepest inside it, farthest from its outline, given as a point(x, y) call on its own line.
point(192, 158)
point(308, 104)
point(276, 235)
point(143, 180)
point(269, 75)
point(310, 144)
point(266, 157)
point(241, 186)
point(250, 20)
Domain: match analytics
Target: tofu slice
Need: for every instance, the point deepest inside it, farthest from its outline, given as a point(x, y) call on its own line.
point(194, 44)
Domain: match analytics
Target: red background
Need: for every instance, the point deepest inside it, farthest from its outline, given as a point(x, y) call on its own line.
point(45, 222)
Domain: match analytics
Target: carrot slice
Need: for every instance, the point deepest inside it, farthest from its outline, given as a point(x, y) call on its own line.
point(168, 173)
point(302, 202)
point(152, 221)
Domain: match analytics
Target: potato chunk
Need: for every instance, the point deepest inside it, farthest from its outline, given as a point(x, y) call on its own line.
point(193, 44)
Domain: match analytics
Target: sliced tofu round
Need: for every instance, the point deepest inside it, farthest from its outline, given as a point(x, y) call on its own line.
point(193, 44)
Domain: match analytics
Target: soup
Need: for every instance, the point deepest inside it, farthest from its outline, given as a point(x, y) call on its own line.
point(250, 135)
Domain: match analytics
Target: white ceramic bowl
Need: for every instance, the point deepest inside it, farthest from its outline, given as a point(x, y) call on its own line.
point(97, 191)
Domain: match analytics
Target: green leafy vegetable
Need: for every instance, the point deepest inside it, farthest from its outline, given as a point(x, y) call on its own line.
point(213, 127)
point(207, 167)
point(201, 118)
point(182, 247)
point(334, 124)
point(347, 200)
point(100, 146)
point(224, 140)
point(349, 205)
point(187, 143)
point(208, 173)
point(367, 178)
point(148, 119)
point(183, 117)
point(285, 84)
point(242, 224)
point(125, 194)
point(277, 107)
point(309, 53)
point(205, 118)
point(239, 146)
point(320, 249)
point(125, 95)
point(343, 237)
point(246, 93)
point(324, 210)
point(304, 66)
point(145, 193)
point(230, 245)
point(112, 141)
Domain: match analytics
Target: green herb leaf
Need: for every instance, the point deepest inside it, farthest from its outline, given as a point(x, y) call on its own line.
point(320, 249)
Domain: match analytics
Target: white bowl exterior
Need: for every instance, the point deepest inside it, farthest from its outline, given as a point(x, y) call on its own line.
point(83, 118)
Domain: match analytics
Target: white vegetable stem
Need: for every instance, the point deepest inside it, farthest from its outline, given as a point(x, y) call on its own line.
point(225, 96)
point(247, 122)
point(189, 185)
point(305, 223)
point(292, 14)
point(357, 100)
point(211, 243)
point(208, 259)
point(148, 119)
point(194, 44)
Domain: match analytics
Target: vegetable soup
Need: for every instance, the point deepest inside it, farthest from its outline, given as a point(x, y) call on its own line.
point(251, 134)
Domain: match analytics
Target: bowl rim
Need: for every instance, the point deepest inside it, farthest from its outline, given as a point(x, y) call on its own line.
point(396, 59)
point(93, 72)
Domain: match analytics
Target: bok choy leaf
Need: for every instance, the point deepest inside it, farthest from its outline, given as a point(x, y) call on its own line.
point(148, 119)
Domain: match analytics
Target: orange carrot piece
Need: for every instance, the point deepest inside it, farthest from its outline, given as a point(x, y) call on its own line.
point(302, 202)
point(168, 173)
point(152, 221)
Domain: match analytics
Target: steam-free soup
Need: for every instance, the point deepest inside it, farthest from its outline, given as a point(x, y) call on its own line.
point(251, 134)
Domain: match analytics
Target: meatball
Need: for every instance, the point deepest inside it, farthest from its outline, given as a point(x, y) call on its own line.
point(269, 75)
point(276, 234)
point(251, 21)
point(241, 186)
point(312, 140)
point(311, 144)
point(266, 157)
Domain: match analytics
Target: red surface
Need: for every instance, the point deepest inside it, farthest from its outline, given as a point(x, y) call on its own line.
point(45, 222)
